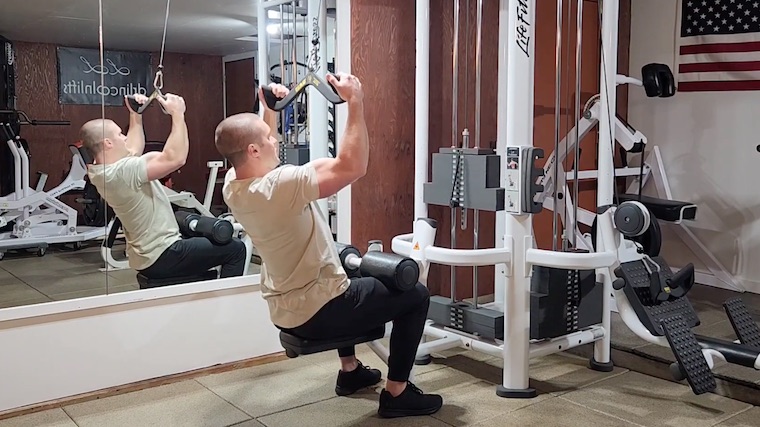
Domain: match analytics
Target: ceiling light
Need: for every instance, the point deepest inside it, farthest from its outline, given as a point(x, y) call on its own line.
point(273, 29)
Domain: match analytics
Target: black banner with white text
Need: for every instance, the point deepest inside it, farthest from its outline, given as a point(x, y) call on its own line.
point(83, 80)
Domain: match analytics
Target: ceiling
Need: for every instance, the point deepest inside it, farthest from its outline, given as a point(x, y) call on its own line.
point(195, 26)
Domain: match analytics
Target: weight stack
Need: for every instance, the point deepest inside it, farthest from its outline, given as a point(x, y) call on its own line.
point(292, 154)
point(563, 301)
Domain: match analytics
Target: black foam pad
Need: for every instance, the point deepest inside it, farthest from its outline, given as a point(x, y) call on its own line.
point(394, 271)
point(658, 80)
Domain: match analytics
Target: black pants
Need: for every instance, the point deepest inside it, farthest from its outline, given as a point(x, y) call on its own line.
point(193, 256)
point(367, 304)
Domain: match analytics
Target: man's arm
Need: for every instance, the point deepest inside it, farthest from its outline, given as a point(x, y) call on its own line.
point(270, 118)
point(353, 155)
point(177, 145)
point(135, 134)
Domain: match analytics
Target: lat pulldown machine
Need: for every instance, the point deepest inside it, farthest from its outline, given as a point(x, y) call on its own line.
point(546, 301)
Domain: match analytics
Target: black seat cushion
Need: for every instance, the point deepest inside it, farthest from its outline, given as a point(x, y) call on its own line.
point(664, 209)
point(295, 345)
point(146, 283)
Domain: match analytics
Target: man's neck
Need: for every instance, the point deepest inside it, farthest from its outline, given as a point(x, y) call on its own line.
point(251, 171)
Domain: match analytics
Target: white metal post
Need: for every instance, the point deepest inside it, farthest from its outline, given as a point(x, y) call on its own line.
point(421, 106)
point(263, 53)
point(343, 63)
point(500, 270)
point(606, 166)
point(518, 228)
point(317, 103)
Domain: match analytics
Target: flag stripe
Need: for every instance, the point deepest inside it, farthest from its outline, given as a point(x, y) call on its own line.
point(719, 66)
point(720, 57)
point(719, 76)
point(720, 47)
point(711, 86)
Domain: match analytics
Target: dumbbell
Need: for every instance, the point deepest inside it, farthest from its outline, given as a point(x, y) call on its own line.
point(218, 231)
point(396, 272)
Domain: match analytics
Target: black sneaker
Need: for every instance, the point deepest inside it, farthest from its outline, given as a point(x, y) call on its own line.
point(410, 402)
point(359, 378)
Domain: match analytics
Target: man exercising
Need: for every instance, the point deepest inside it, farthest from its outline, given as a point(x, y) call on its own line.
point(128, 180)
point(307, 290)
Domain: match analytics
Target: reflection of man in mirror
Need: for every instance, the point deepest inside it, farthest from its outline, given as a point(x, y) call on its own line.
point(306, 287)
point(129, 181)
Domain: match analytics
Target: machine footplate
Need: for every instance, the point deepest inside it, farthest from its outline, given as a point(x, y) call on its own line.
point(650, 312)
point(744, 325)
point(688, 353)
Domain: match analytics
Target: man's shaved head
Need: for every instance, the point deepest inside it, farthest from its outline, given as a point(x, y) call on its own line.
point(236, 133)
point(93, 133)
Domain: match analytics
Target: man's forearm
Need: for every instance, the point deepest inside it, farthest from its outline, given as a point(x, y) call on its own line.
point(270, 118)
point(177, 144)
point(136, 135)
point(354, 147)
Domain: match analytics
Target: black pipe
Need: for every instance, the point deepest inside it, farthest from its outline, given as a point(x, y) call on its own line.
point(738, 354)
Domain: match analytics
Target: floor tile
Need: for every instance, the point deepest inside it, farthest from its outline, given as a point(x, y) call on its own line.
point(554, 412)
point(57, 283)
point(249, 423)
point(622, 336)
point(274, 387)
point(654, 402)
point(358, 410)
point(183, 404)
point(750, 418)
point(556, 374)
point(50, 418)
point(11, 294)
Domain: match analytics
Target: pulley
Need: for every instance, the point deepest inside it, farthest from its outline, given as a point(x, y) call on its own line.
point(632, 218)
point(637, 224)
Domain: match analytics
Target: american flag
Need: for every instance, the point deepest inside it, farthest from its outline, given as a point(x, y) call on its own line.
point(719, 45)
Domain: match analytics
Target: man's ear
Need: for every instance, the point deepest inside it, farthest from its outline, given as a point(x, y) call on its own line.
point(253, 150)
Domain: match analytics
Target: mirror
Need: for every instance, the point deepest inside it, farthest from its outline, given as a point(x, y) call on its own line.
point(49, 236)
point(189, 228)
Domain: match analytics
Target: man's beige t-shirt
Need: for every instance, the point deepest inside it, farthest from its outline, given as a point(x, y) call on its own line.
point(301, 270)
point(141, 205)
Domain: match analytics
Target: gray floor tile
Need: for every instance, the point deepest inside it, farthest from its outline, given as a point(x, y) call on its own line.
point(467, 397)
point(653, 402)
point(359, 410)
point(14, 294)
point(555, 412)
point(50, 418)
point(750, 418)
point(249, 423)
point(183, 404)
point(556, 374)
point(274, 387)
point(57, 283)
point(621, 336)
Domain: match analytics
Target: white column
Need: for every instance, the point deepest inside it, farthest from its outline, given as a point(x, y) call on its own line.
point(518, 228)
point(500, 277)
point(263, 51)
point(343, 63)
point(421, 106)
point(605, 182)
point(317, 103)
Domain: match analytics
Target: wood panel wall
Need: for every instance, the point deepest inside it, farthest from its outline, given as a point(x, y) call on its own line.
point(197, 78)
point(240, 85)
point(383, 50)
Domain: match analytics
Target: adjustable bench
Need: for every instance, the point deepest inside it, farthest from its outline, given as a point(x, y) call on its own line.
point(295, 346)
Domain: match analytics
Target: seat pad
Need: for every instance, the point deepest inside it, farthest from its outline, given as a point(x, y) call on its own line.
point(664, 209)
